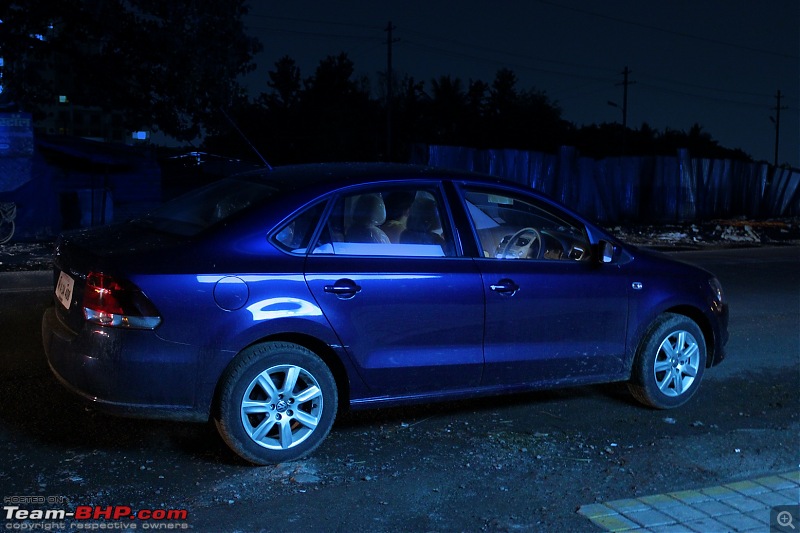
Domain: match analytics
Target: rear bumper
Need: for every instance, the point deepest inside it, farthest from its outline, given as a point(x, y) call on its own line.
point(124, 372)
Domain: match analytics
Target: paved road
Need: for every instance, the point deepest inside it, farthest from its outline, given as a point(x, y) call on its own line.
point(521, 463)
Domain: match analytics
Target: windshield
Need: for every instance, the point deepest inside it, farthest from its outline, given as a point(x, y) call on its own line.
point(195, 211)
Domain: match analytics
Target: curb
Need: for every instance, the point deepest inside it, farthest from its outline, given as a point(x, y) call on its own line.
point(750, 505)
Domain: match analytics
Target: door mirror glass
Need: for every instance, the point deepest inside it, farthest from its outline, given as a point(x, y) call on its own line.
point(607, 251)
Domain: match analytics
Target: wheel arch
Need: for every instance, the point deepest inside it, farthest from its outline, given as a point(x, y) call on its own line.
point(696, 315)
point(689, 311)
point(311, 343)
point(662, 385)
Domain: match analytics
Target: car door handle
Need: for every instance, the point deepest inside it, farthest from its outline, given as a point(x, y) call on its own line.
point(343, 288)
point(505, 286)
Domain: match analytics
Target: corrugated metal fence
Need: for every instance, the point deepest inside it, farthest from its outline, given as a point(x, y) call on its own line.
point(639, 189)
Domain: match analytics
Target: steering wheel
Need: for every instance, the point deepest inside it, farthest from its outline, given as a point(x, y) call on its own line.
point(514, 251)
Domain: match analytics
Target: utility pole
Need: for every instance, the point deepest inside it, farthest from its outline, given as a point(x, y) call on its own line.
point(625, 82)
point(777, 121)
point(389, 83)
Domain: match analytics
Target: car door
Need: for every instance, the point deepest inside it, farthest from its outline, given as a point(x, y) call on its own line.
point(407, 309)
point(553, 313)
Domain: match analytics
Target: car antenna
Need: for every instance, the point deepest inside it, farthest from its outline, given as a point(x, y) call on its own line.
point(261, 157)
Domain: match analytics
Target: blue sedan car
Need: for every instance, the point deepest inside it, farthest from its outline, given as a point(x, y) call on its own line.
point(269, 301)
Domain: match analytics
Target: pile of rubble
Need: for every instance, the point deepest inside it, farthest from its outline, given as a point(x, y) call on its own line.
point(714, 233)
point(21, 256)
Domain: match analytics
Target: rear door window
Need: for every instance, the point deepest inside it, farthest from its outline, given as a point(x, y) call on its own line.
point(389, 221)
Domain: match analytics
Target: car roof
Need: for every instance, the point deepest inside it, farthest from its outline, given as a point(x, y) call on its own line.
point(313, 179)
point(328, 174)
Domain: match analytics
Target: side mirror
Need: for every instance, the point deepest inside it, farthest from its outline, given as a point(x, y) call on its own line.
point(607, 251)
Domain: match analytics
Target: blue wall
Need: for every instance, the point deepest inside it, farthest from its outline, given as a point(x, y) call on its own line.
point(68, 183)
point(636, 189)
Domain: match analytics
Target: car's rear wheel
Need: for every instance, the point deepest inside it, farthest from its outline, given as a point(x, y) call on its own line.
point(277, 402)
point(670, 362)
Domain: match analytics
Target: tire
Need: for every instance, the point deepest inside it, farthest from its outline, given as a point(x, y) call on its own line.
point(276, 403)
point(669, 363)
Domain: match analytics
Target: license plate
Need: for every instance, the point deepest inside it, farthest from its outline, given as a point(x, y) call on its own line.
point(64, 289)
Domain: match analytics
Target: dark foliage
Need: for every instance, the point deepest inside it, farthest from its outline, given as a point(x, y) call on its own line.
point(331, 116)
point(161, 64)
point(173, 67)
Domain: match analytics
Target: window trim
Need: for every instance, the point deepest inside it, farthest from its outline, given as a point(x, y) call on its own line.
point(273, 234)
point(550, 208)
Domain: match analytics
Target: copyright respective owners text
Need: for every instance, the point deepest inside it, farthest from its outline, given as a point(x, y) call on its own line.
point(57, 513)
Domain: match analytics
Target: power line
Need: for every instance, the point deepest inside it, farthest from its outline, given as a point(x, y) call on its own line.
point(703, 96)
point(464, 55)
point(314, 34)
point(324, 22)
point(505, 52)
point(499, 61)
point(417, 34)
point(704, 87)
point(668, 31)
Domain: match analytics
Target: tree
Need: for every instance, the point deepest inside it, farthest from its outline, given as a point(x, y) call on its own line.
point(522, 118)
point(340, 119)
point(476, 96)
point(166, 66)
point(408, 112)
point(503, 95)
point(285, 84)
point(448, 107)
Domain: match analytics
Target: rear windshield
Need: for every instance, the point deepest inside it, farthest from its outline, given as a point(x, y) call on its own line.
point(195, 211)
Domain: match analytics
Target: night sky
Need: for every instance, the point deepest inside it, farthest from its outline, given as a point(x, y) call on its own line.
point(718, 63)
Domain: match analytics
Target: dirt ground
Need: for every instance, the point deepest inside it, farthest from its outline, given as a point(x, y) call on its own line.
point(519, 463)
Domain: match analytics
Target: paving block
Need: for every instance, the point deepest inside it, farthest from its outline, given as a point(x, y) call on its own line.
point(615, 523)
point(690, 496)
point(651, 517)
point(705, 525)
point(719, 493)
point(792, 476)
point(773, 499)
point(714, 508)
point(596, 509)
point(740, 522)
point(745, 504)
point(685, 513)
point(794, 494)
point(660, 501)
point(760, 516)
point(747, 487)
point(776, 482)
point(627, 505)
point(672, 528)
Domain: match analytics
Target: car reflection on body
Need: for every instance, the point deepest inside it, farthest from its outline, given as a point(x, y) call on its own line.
point(269, 301)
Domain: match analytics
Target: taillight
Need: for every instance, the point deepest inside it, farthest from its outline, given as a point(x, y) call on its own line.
point(111, 301)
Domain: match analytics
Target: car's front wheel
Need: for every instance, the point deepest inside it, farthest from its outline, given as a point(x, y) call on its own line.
point(670, 362)
point(277, 402)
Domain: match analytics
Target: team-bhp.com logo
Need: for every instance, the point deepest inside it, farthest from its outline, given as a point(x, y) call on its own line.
point(90, 517)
